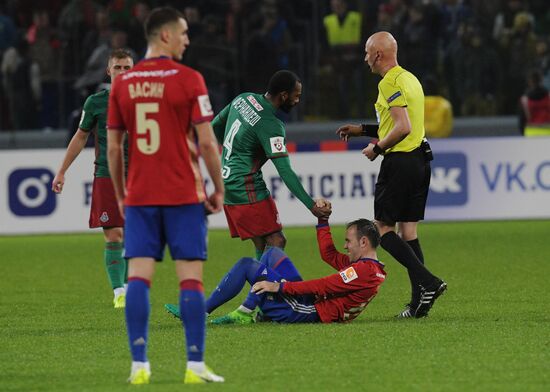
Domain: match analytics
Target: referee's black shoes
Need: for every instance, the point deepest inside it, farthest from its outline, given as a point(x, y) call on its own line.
point(408, 312)
point(428, 295)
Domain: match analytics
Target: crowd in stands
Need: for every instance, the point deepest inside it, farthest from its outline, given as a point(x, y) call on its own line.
point(478, 53)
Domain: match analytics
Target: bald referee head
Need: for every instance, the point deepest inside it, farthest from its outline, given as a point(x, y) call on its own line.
point(381, 52)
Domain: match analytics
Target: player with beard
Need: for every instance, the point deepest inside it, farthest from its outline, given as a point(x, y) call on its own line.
point(251, 134)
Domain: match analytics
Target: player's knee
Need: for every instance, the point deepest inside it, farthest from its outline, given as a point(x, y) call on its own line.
point(272, 255)
point(277, 240)
point(113, 234)
point(245, 261)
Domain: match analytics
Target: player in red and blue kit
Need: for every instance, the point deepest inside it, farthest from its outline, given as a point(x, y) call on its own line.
point(281, 294)
point(165, 108)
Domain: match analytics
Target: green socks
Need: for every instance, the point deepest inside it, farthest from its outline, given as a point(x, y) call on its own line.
point(115, 264)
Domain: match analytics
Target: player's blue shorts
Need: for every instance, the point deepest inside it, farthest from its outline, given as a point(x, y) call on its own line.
point(148, 229)
point(280, 307)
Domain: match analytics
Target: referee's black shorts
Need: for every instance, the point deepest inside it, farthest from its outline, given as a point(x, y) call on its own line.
point(402, 187)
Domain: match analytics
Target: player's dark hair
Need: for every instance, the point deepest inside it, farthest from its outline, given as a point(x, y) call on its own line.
point(282, 81)
point(120, 54)
point(366, 228)
point(159, 17)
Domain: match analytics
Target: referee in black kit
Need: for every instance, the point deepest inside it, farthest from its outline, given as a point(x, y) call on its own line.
point(404, 178)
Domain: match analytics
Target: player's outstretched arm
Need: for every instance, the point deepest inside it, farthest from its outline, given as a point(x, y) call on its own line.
point(209, 152)
point(291, 180)
point(115, 155)
point(75, 147)
point(327, 250)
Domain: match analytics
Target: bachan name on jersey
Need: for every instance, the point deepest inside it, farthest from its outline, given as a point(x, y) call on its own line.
point(146, 90)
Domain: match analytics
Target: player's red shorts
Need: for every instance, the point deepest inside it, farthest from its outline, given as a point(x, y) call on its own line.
point(253, 220)
point(104, 210)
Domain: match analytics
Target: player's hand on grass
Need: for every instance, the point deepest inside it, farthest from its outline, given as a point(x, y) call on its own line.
point(265, 287)
point(349, 130)
point(58, 182)
point(214, 203)
point(369, 152)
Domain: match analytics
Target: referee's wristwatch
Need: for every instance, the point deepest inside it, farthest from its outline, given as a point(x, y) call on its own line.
point(377, 149)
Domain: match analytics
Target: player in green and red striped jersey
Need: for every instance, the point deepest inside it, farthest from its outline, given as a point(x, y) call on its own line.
point(251, 134)
point(104, 209)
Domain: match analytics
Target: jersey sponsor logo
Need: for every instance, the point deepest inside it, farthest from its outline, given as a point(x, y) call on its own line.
point(277, 144)
point(449, 181)
point(255, 103)
point(381, 276)
point(348, 274)
point(104, 217)
point(149, 74)
point(394, 97)
point(30, 192)
point(205, 105)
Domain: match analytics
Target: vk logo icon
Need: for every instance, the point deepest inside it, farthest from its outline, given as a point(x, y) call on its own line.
point(30, 193)
point(449, 183)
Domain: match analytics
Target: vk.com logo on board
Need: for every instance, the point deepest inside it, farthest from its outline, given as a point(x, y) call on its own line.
point(449, 183)
point(30, 193)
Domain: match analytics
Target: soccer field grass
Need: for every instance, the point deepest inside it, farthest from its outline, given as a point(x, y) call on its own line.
point(489, 332)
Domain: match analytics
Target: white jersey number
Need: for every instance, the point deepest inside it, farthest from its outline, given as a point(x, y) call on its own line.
point(228, 142)
point(148, 130)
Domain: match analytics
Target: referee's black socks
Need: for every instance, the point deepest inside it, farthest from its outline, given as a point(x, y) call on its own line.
point(415, 246)
point(405, 255)
point(415, 288)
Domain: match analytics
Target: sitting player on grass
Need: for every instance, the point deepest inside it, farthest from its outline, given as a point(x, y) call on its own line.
point(281, 294)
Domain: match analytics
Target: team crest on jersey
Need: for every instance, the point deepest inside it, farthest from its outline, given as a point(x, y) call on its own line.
point(348, 275)
point(277, 144)
point(104, 217)
point(255, 103)
point(205, 105)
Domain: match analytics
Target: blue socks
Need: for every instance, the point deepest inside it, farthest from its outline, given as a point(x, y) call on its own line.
point(193, 315)
point(137, 317)
point(245, 270)
point(192, 310)
point(249, 270)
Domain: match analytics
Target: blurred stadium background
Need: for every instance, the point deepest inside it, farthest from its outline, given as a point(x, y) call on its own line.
point(474, 58)
point(481, 63)
point(475, 53)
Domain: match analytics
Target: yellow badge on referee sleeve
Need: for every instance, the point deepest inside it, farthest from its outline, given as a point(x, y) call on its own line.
point(348, 275)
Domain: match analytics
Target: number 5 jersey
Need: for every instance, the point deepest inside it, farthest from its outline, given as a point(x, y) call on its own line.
point(158, 102)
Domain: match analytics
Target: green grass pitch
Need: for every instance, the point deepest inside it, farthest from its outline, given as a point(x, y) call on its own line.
point(489, 332)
